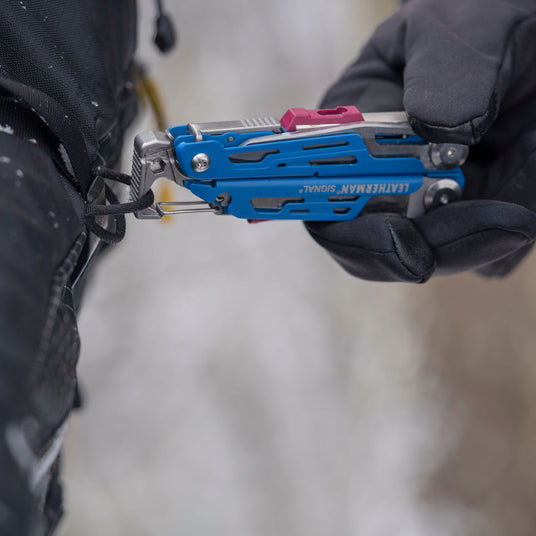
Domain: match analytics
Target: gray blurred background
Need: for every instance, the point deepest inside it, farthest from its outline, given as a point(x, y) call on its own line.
point(239, 383)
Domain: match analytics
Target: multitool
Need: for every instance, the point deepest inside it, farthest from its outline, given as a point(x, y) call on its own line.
point(311, 165)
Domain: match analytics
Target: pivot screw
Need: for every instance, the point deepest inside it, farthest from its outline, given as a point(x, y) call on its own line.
point(441, 192)
point(200, 162)
point(448, 156)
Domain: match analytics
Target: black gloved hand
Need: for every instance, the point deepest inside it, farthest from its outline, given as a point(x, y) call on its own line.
point(464, 72)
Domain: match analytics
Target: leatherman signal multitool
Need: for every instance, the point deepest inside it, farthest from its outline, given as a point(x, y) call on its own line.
point(311, 165)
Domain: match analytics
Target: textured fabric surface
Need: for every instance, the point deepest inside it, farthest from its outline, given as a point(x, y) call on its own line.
point(39, 245)
point(66, 96)
point(464, 72)
point(80, 54)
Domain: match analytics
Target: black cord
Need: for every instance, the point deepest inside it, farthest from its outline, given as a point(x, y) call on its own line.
point(113, 207)
point(165, 35)
point(108, 173)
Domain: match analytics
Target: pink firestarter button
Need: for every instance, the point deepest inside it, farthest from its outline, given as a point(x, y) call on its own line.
point(295, 117)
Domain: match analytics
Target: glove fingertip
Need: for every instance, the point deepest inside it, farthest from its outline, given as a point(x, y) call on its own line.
point(467, 132)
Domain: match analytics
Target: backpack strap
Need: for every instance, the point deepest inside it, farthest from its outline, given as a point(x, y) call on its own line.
point(70, 153)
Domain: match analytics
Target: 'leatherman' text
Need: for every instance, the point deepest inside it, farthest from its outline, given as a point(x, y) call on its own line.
point(390, 188)
point(358, 189)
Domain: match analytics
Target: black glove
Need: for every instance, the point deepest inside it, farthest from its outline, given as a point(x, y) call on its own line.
point(464, 72)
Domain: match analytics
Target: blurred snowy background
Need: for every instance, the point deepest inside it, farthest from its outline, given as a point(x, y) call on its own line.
point(239, 383)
